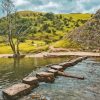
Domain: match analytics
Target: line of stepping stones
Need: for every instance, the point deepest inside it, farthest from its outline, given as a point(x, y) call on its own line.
point(29, 83)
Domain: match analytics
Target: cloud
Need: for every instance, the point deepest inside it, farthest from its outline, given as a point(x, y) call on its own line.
point(58, 6)
point(21, 2)
point(86, 6)
point(48, 6)
point(93, 10)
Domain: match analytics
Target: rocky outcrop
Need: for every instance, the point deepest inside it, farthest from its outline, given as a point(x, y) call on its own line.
point(87, 36)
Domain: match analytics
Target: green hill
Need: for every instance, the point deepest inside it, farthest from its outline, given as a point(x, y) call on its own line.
point(46, 28)
point(88, 35)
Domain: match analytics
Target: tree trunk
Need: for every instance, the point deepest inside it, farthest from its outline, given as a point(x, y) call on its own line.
point(17, 47)
point(11, 39)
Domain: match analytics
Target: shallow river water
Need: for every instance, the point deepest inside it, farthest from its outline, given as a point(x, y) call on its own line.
point(14, 70)
point(63, 88)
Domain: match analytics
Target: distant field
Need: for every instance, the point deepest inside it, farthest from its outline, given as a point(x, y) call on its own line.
point(77, 16)
point(26, 47)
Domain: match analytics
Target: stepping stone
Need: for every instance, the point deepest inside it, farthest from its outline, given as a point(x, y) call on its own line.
point(66, 64)
point(57, 67)
point(16, 91)
point(72, 62)
point(32, 81)
point(53, 71)
point(77, 60)
point(45, 77)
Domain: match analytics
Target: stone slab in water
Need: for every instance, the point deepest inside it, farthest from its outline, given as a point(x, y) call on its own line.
point(66, 64)
point(45, 77)
point(81, 58)
point(16, 91)
point(53, 71)
point(57, 67)
point(72, 62)
point(44, 74)
point(77, 60)
point(33, 81)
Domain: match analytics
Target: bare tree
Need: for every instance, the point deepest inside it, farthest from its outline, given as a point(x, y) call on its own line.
point(13, 29)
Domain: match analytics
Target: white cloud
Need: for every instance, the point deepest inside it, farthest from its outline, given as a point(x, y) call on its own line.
point(79, 7)
point(46, 6)
point(21, 2)
point(93, 10)
point(58, 6)
point(84, 1)
point(82, 6)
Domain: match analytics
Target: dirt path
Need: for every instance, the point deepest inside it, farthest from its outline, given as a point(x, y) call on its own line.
point(56, 54)
point(74, 54)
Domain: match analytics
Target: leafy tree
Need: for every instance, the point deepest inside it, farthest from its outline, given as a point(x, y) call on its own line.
point(49, 16)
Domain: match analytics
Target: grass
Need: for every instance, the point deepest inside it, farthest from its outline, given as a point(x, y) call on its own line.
point(65, 44)
point(26, 47)
point(77, 16)
point(4, 49)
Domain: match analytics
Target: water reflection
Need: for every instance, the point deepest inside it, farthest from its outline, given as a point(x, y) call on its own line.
point(13, 70)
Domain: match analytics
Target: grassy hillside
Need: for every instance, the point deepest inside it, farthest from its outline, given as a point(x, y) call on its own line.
point(45, 30)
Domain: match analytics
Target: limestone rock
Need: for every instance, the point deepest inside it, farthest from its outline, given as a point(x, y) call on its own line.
point(16, 91)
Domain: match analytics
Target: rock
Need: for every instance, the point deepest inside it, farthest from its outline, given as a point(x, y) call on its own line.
point(94, 88)
point(77, 60)
point(16, 56)
point(70, 75)
point(55, 72)
point(32, 81)
point(66, 64)
point(38, 97)
point(17, 90)
point(45, 77)
point(34, 96)
point(57, 67)
point(72, 62)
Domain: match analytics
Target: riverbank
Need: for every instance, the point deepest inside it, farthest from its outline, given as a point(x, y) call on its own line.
point(55, 54)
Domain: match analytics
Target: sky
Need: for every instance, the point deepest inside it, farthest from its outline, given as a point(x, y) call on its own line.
point(57, 6)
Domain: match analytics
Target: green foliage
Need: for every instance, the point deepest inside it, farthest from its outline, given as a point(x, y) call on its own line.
point(44, 24)
point(46, 28)
point(66, 44)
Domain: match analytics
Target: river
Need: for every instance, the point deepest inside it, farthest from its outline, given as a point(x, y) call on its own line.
point(12, 71)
